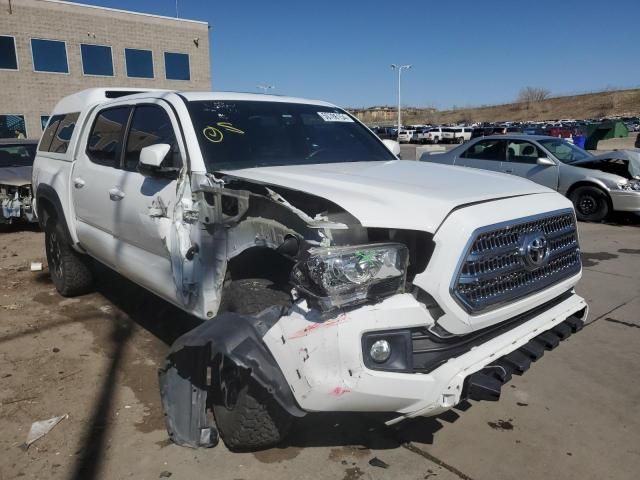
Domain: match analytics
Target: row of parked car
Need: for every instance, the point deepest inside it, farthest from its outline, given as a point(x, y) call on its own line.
point(459, 134)
point(435, 135)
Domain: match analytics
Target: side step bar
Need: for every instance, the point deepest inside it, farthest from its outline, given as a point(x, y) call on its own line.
point(487, 383)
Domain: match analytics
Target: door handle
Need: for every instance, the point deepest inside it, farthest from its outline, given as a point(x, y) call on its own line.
point(78, 182)
point(116, 194)
point(508, 171)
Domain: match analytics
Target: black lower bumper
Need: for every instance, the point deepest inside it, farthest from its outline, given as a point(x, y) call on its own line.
point(487, 383)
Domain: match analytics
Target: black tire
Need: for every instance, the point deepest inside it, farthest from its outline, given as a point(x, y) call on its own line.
point(248, 418)
point(591, 204)
point(250, 296)
point(436, 140)
point(70, 271)
point(461, 140)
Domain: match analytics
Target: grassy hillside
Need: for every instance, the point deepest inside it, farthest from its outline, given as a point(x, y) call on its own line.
point(591, 105)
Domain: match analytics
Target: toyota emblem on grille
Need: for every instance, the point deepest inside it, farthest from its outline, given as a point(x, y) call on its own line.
point(535, 250)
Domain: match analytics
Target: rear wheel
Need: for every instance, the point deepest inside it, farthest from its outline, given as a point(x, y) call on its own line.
point(436, 140)
point(461, 140)
point(591, 204)
point(247, 416)
point(69, 270)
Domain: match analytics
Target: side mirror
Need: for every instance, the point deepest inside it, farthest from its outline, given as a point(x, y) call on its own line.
point(153, 155)
point(392, 145)
point(545, 162)
point(151, 160)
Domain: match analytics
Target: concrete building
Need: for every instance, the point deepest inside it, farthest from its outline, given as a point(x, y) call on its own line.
point(52, 48)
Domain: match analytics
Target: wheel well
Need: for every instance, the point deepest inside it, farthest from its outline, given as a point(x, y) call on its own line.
point(260, 262)
point(48, 206)
point(45, 211)
point(577, 185)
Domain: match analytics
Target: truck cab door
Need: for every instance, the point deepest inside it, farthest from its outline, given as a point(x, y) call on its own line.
point(95, 182)
point(145, 222)
point(522, 160)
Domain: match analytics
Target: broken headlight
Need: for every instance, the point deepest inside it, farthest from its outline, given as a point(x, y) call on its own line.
point(630, 186)
point(340, 276)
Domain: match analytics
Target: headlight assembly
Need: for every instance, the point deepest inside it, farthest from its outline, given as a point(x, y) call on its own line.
point(631, 186)
point(339, 276)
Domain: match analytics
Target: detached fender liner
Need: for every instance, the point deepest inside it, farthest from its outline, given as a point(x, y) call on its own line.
point(186, 379)
point(487, 383)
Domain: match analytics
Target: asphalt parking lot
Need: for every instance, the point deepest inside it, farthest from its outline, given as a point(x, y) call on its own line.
point(574, 415)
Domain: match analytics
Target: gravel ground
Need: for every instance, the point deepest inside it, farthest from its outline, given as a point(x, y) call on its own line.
point(574, 415)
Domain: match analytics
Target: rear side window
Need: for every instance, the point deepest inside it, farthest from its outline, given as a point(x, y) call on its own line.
point(486, 150)
point(58, 133)
point(49, 133)
point(150, 125)
point(60, 141)
point(520, 151)
point(105, 139)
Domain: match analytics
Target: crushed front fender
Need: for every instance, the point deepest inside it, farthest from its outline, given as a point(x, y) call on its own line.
point(186, 379)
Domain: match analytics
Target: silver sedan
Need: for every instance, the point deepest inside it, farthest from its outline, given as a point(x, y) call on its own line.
point(595, 185)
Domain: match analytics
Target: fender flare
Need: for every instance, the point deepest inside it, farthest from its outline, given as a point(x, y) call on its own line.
point(183, 379)
point(48, 193)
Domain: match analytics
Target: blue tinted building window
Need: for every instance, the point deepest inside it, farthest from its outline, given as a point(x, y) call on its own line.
point(49, 56)
point(12, 126)
point(8, 57)
point(96, 60)
point(139, 63)
point(176, 66)
point(44, 119)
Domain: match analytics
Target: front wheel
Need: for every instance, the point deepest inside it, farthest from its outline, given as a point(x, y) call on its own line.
point(461, 140)
point(69, 270)
point(591, 204)
point(247, 416)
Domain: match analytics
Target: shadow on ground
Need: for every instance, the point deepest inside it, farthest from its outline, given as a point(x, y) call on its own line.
point(367, 430)
point(15, 227)
point(622, 219)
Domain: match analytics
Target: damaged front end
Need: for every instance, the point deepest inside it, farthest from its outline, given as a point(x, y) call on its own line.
point(327, 259)
point(16, 202)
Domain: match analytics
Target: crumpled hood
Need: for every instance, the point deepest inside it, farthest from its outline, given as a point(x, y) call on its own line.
point(399, 194)
point(15, 176)
point(631, 156)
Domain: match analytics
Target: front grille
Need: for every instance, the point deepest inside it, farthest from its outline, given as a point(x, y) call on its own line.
point(496, 268)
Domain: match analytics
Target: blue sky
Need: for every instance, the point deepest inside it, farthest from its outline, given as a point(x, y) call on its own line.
point(464, 52)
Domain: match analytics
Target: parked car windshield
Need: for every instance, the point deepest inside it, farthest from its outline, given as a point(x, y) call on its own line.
point(17, 155)
point(245, 134)
point(564, 151)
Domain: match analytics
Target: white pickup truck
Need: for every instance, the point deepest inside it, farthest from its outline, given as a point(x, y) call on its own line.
point(329, 275)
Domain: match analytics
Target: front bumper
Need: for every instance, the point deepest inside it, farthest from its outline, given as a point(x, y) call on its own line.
point(323, 362)
point(624, 201)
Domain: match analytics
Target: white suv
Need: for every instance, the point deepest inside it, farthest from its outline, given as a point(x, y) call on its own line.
point(329, 275)
point(405, 136)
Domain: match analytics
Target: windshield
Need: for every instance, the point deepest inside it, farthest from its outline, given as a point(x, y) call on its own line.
point(245, 134)
point(564, 151)
point(17, 155)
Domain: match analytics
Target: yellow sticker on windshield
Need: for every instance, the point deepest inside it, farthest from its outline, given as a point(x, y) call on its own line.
point(230, 128)
point(215, 135)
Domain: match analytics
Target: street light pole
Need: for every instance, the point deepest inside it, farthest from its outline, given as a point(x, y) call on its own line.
point(399, 68)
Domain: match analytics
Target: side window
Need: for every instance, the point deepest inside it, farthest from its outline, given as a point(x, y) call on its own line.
point(49, 133)
point(486, 150)
point(150, 125)
point(520, 151)
point(60, 141)
point(105, 139)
